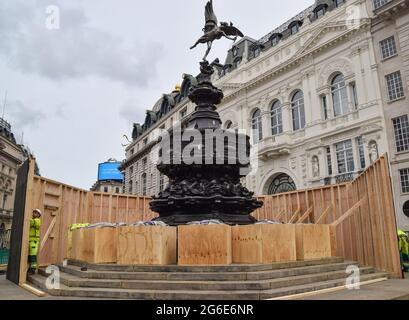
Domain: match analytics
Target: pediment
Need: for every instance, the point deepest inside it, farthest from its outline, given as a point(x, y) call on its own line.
point(323, 38)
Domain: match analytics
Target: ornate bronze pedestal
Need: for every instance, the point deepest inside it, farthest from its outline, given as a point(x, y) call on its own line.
point(210, 187)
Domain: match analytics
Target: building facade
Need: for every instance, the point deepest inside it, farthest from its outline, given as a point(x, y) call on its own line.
point(110, 179)
point(12, 156)
point(309, 94)
point(390, 30)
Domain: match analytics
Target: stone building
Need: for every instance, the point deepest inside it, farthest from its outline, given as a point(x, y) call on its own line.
point(110, 179)
point(12, 156)
point(309, 93)
point(390, 31)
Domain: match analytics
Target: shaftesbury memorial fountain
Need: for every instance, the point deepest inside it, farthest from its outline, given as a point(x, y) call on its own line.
point(203, 162)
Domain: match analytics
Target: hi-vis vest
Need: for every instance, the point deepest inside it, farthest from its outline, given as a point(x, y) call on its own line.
point(76, 226)
point(35, 225)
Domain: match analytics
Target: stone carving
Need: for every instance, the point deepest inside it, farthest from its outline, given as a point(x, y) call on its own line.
point(341, 65)
point(315, 167)
point(373, 151)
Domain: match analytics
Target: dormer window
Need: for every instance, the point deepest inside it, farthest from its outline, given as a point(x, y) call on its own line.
point(235, 51)
point(256, 51)
point(294, 27)
point(320, 11)
point(237, 62)
point(338, 3)
point(275, 39)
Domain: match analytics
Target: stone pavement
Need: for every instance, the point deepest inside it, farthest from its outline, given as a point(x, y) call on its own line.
point(394, 289)
point(10, 291)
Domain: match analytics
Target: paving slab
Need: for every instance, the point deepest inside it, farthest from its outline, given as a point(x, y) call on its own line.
point(11, 291)
point(393, 289)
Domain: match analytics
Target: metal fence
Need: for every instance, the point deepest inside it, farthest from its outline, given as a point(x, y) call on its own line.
point(4, 246)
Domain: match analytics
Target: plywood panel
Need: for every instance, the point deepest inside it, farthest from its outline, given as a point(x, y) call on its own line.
point(313, 241)
point(204, 245)
point(95, 245)
point(150, 245)
point(263, 243)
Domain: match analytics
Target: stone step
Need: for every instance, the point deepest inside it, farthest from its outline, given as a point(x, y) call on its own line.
point(204, 276)
point(39, 281)
point(74, 281)
point(281, 292)
point(229, 268)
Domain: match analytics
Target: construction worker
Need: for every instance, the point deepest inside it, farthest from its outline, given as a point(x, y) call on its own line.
point(34, 240)
point(404, 249)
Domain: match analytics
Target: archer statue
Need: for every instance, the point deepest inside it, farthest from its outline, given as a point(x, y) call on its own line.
point(212, 31)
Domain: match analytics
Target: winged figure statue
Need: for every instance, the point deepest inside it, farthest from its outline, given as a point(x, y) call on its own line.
point(214, 31)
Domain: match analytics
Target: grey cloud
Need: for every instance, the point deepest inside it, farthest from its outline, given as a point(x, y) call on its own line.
point(132, 114)
point(22, 117)
point(74, 51)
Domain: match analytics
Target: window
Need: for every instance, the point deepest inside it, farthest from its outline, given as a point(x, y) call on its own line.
point(395, 85)
point(105, 189)
point(256, 51)
point(338, 2)
point(297, 110)
point(117, 190)
point(401, 127)
point(275, 40)
point(345, 157)
point(329, 161)
point(4, 201)
point(354, 95)
point(235, 51)
point(256, 123)
point(144, 163)
point(183, 113)
point(276, 118)
point(379, 3)
point(339, 95)
point(161, 182)
point(404, 180)
point(361, 152)
point(320, 11)
point(295, 28)
point(144, 184)
point(145, 141)
point(388, 47)
point(228, 125)
point(132, 151)
point(325, 107)
point(130, 186)
point(406, 208)
point(281, 184)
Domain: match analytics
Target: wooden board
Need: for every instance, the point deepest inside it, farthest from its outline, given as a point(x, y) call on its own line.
point(204, 245)
point(95, 245)
point(313, 241)
point(147, 245)
point(261, 244)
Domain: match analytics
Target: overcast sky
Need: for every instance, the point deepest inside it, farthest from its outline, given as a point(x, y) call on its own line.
point(76, 91)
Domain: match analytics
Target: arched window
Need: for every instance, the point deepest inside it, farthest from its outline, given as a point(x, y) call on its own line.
point(257, 126)
point(297, 110)
point(276, 118)
point(228, 125)
point(282, 183)
point(339, 95)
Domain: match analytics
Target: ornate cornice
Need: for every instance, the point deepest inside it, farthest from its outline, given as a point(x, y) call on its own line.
point(300, 56)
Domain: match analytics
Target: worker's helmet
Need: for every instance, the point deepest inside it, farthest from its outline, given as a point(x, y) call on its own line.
point(38, 211)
